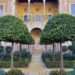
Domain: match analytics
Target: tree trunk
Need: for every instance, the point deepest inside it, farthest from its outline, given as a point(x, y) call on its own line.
point(45, 47)
point(0, 43)
point(20, 50)
point(53, 52)
point(12, 61)
point(61, 60)
point(28, 47)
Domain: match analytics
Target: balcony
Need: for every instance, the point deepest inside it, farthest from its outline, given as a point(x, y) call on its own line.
point(33, 1)
point(36, 18)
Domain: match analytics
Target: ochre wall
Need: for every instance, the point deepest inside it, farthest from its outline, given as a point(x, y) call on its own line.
point(36, 9)
point(20, 9)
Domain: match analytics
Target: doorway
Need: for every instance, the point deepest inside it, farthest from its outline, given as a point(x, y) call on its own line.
point(36, 32)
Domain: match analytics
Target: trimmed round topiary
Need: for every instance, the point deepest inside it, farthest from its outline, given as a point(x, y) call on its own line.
point(59, 29)
point(13, 29)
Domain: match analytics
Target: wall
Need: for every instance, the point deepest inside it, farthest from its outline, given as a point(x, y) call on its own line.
point(5, 5)
point(36, 9)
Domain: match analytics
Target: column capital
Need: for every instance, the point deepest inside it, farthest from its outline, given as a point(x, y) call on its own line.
point(44, 6)
point(44, 0)
point(14, 0)
point(29, 0)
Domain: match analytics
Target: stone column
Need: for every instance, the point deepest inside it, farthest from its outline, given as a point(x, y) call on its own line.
point(60, 6)
point(63, 6)
point(29, 14)
point(29, 7)
point(44, 7)
point(11, 7)
point(70, 2)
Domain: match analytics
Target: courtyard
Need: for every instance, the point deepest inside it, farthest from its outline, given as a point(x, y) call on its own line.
point(37, 37)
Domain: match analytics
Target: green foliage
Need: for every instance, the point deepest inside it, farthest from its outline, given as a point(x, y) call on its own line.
point(22, 58)
point(15, 72)
point(5, 53)
point(4, 64)
point(54, 73)
point(69, 63)
point(14, 30)
point(59, 29)
point(5, 57)
point(8, 50)
point(23, 54)
point(1, 49)
point(47, 58)
point(57, 73)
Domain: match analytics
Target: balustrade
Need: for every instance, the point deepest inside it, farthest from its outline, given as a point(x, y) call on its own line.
point(36, 18)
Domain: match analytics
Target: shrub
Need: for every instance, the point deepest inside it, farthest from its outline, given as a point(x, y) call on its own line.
point(1, 49)
point(2, 72)
point(14, 72)
point(69, 64)
point(57, 73)
point(5, 54)
point(8, 50)
point(22, 58)
point(21, 64)
point(23, 54)
point(5, 64)
point(1, 52)
point(16, 55)
point(69, 56)
point(54, 73)
point(51, 61)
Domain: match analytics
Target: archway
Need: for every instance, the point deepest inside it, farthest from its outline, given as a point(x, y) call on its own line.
point(35, 32)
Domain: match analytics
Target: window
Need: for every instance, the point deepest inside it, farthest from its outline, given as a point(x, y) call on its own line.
point(35, 18)
point(1, 10)
point(27, 18)
point(39, 18)
point(33, 1)
point(73, 9)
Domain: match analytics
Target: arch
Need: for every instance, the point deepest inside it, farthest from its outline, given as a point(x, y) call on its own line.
point(34, 29)
point(36, 32)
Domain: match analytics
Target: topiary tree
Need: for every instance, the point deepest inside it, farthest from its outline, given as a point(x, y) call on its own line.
point(58, 21)
point(59, 29)
point(14, 72)
point(13, 30)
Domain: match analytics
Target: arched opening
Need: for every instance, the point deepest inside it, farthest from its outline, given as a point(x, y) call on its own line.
point(36, 32)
